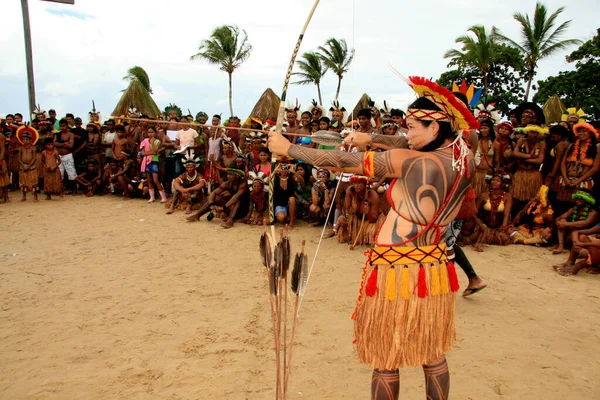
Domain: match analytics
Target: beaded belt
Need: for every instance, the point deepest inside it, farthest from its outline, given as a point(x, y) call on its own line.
point(407, 255)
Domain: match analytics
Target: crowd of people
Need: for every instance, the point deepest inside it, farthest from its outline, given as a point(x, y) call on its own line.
point(534, 183)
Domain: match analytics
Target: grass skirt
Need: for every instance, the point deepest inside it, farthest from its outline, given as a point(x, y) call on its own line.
point(405, 310)
point(526, 185)
point(4, 177)
point(52, 182)
point(479, 183)
point(28, 180)
point(352, 232)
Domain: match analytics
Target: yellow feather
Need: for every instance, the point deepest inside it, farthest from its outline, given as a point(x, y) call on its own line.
point(390, 284)
point(435, 281)
point(444, 280)
point(405, 284)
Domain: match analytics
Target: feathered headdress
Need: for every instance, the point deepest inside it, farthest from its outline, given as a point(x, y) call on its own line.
point(95, 112)
point(231, 142)
point(385, 110)
point(256, 136)
point(587, 126)
point(132, 112)
point(292, 107)
point(579, 113)
point(506, 125)
point(201, 114)
point(314, 105)
point(585, 196)
point(535, 128)
point(487, 112)
point(335, 106)
point(473, 96)
point(172, 107)
point(27, 130)
point(190, 159)
point(38, 110)
point(257, 176)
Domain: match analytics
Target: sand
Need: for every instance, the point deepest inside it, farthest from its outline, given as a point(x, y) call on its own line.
point(104, 299)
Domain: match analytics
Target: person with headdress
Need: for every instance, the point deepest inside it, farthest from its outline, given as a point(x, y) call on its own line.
point(322, 193)
point(485, 112)
point(494, 207)
point(586, 245)
point(201, 117)
point(316, 110)
point(258, 210)
point(582, 215)
point(529, 113)
point(228, 159)
point(93, 146)
point(580, 163)
point(43, 123)
point(28, 173)
point(364, 121)
point(229, 200)
point(410, 240)
point(302, 177)
point(529, 153)
point(573, 116)
point(172, 111)
point(185, 138)
point(503, 149)
point(94, 116)
point(51, 171)
point(485, 155)
point(63, 142)
point(361, 214)
point(255, 142)
point(557, 144)
point(338, 113)
point(233, 124)
point(291, 117)
point(534, 224)
point(187, 187)
point(133, 131)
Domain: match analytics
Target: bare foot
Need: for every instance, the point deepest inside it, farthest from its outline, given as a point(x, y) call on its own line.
point(566, 270)
point(560, 250)
point(192, 218)
point(314, 224)
point(551, 248)
point(170, 211)
point(227, 224)
point(188, 210)
point(478, 247)
point(331, 234)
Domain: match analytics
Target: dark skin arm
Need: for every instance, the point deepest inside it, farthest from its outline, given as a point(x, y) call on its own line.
point(66, 145)
point(234, 199)
point(595, 168)
point(559, 153)
point(591, 218)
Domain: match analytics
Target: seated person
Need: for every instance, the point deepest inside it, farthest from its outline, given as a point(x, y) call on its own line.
point(322, 195)
point(229, 199)
point(494, 207)
point(580, 216)
point(258, 210)
point(187, 187)
point(586, 246)
point(303, 177)
point(284, 194)
point(91, 179)
point(125, 173)
point(108, 178)
point(361, 215)
point(534, 224)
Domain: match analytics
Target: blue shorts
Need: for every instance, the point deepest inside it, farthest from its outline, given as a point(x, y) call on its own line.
point(283, 209)
point(152, 168)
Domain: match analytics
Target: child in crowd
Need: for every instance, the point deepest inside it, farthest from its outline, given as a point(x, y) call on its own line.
point(119, 144)
point(91, 179)
point(28, 174)
point(52, 177)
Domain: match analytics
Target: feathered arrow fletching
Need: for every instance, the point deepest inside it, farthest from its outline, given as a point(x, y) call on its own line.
point(296, 272)
point(285, 257)
point(300, 274)
point(326, 138)
point(265, 250)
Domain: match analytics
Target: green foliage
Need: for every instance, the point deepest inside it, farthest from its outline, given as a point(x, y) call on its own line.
point(337, 58)
point(505, 76)
point(313, 69)
point(226, 47)
point(139, 73)
point(539, 38)
point(581, 87)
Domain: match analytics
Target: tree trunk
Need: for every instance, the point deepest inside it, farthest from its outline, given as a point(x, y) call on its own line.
point(337, 92)
point(485, 88)
point(319, 92)
point(230, 97)
point(528, 86)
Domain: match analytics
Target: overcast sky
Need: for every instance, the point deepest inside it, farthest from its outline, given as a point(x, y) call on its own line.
point(82, 52)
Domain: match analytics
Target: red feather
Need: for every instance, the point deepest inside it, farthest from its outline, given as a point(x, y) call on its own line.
point(371, 287)
point(454, 286)
point(421, 283)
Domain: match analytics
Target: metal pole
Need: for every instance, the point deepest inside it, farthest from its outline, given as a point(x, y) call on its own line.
point(28, 56)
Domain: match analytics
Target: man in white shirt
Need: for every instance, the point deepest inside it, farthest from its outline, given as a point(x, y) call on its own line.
point(184, 137)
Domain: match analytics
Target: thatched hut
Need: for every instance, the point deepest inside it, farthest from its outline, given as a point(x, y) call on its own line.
point(137, 95)
point(362, 103)
point(266, 107)
point(553, 109)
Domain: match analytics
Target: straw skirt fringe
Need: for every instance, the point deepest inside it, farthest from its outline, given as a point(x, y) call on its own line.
point(392, 334)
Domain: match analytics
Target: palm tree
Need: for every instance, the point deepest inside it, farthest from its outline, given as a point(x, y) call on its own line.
point(478, 52)
point(539, 39)
point(225, 48)
point(139, 73)
point(313, 70)
point(337, 57)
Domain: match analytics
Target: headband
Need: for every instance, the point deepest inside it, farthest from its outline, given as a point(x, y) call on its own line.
point(585, 196)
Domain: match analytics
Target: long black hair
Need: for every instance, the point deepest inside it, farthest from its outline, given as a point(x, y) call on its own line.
point(445, 131)
point(592, 149)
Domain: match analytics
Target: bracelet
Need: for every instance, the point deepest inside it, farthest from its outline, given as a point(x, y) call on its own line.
point(532, 156)
point(368, 167)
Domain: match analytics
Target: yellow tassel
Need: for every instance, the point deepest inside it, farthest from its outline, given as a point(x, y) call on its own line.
point(444, 280)
point(435, 281)
point(390, 284)
point(405, 284)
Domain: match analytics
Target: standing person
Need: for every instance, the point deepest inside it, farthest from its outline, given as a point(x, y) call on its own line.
point(409, 241)
point(80, 139)
point(119, 145)
point(4, 178)
point(185, 137)
point(485, 153)
point(364, 121)
point(28, 174)
point(150, 148)
point(52, 179)
point(93, 148)
point(556, 148)
point(503, 148)
point(530, 153)
point(108, 138)
point(63, 142)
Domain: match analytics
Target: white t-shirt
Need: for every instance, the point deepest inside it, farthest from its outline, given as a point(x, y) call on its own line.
point(109, 137)
point(186, 138)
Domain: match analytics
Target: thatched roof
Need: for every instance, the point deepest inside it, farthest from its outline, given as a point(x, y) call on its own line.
point(266, 107)
point(553, 109)
point(362, 103)
point(137, 95)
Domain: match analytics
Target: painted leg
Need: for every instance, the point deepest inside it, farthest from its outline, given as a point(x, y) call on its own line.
point(385, 385)
point(437, 380)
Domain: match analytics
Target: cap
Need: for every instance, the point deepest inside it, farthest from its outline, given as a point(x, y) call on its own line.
point(78, 120)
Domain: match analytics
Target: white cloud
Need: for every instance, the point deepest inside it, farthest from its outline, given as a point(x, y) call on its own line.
point(82, 52)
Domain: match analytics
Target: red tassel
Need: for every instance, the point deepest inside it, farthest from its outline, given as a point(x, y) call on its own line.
point(454, 286)
point(421, 283)
point(371, 287)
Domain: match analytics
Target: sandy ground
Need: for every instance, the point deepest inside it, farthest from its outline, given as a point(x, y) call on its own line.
point(106, 299)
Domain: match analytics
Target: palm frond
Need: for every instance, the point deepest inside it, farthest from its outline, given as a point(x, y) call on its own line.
point(139, 73)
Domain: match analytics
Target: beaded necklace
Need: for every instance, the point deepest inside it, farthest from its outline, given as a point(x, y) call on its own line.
point(584, 214)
